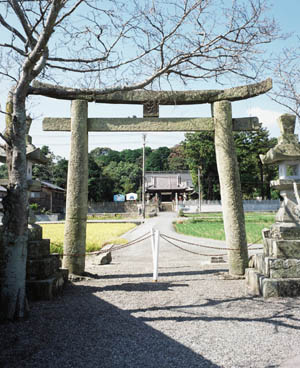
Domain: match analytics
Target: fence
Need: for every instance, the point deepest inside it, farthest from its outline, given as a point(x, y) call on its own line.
point(216, 206)
point(113, 207)
point(129, 207)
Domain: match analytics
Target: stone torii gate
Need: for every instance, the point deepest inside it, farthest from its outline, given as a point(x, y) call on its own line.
point(221, 123)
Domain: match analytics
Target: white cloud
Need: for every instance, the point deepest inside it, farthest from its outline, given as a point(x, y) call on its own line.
point(268, 118)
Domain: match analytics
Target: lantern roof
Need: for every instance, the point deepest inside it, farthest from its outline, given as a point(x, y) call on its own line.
point(288, 147)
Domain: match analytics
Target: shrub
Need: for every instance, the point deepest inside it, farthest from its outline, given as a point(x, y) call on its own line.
point(181, 213)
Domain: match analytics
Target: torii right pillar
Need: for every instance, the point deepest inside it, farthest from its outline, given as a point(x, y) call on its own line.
point(230, 185)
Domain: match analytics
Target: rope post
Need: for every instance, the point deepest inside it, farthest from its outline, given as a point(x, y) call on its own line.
point(153, 246)
point(155, 255)
point(152, 231)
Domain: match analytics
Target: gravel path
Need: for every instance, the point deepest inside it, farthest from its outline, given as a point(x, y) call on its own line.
point(192, 317)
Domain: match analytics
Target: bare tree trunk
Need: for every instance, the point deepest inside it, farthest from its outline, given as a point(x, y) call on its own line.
point(13, 302)
point(231, 194)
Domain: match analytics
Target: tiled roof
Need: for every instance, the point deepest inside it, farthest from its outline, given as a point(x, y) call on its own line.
point(168, 180)
point(51, 186)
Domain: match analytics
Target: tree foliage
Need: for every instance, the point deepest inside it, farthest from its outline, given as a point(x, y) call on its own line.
point(113, 172)
point(3, 171)
point(157, 160)
point(176, 159)
point(55, 171)
point(199, 150)
point(99, 184)
point(255, 178)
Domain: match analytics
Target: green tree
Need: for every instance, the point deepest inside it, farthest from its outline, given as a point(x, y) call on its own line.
point(157, 160)
point(44, 172)
point(255, 178)
point(176, 159)
point(132, 156)
point(104, 155)
point(60, 172)
point(3, 171)
point(125, 176)
point(55, 171)
point(199, 150)
point(99, 184)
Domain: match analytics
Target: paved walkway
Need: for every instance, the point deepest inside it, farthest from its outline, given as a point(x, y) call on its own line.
point(192, 317)
point(188, 282)
point(169, 255)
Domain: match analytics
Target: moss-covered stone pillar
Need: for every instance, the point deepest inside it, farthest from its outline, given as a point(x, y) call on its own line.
point(77, 191)
point(231, 194)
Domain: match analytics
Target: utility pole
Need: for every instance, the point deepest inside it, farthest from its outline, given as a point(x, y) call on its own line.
point(143, 178)
point(199, 190)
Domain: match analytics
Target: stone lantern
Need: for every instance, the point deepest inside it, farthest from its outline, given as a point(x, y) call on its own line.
point(33, 156)
point(276, 272)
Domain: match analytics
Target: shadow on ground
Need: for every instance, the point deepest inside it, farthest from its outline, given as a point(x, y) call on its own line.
point(161, 274)
point(81, 330)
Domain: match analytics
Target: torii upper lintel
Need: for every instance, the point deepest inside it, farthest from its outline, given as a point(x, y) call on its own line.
point(129, 96)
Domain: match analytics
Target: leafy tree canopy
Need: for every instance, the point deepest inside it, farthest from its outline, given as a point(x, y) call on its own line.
point(112, 172)
point(199, 150)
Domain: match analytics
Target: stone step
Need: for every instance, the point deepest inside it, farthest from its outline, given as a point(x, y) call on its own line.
point(48, 288)
point(277, 268)
point(281, 248)
point(268, 287)
point(35, 232)
point(286, 231)
point(285, 249)
point(39, 269)
point(38, 249)
point(56, 260)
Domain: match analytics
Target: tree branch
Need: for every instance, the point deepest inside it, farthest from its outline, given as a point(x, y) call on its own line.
point(21, 15)
point(12, 29)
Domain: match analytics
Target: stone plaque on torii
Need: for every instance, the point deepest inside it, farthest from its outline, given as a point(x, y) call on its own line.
point(221, 123)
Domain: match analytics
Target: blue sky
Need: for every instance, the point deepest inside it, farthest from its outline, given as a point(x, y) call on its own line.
point(286, 13)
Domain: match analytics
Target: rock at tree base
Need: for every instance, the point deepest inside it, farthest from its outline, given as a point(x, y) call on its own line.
point(106, 259)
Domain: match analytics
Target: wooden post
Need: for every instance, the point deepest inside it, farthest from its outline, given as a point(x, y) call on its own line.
point(231, 194)
point(77, 194)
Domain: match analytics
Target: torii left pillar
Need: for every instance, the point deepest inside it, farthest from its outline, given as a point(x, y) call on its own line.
point(77, 194)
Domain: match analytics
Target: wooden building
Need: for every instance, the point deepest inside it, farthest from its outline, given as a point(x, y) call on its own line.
point(168, 186)
point(50, 198)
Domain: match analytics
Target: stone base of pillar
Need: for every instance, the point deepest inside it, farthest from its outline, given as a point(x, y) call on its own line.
point(259, 284)
point(276, 272)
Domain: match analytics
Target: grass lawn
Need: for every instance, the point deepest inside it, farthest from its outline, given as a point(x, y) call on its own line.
point(210, 225)
point(97, 235)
